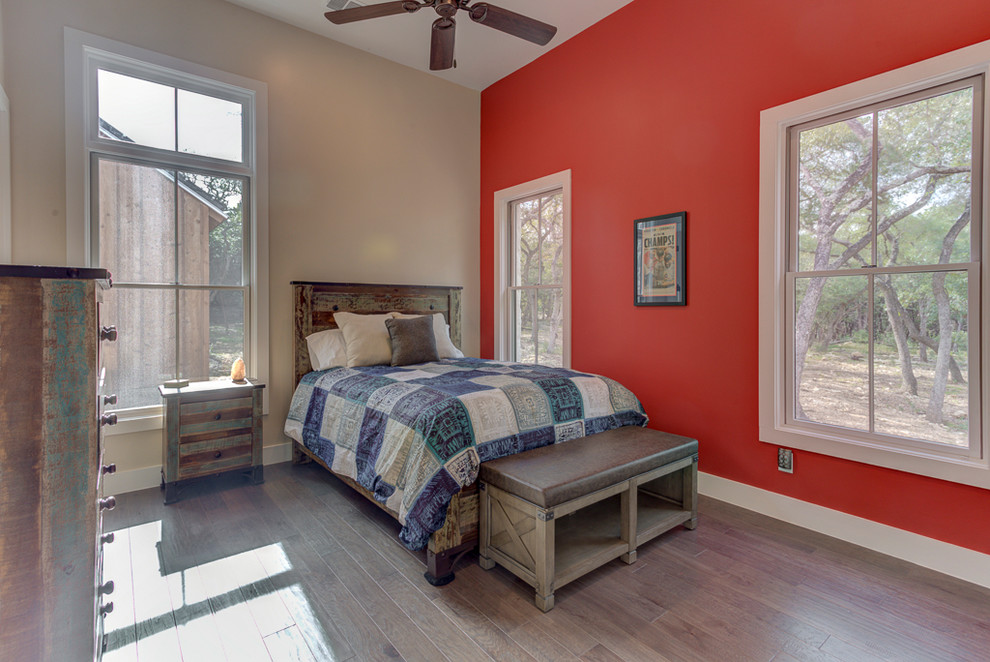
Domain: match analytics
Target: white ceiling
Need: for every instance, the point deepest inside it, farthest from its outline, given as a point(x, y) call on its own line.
point(483, 55)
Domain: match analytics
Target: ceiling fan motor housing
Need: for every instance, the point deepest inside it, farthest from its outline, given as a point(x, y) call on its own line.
point(446, 8)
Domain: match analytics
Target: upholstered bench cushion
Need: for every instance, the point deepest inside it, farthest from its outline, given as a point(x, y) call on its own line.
point(557, 473)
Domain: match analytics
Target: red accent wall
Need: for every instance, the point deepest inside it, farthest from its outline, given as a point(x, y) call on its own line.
point(656, 110)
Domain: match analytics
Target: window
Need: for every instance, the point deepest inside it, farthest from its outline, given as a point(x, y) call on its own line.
point(532, 272)
point(872, 215)
point(175, 212)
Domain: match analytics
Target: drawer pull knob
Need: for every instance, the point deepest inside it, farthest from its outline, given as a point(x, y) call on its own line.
point(110, 399)
point(108, 333)
point(108, 503)
point(217, 417)
point(218, 454)
point(107, 588)
point(107, 538)
point(110, 468)
point(108, 419)
point(106, 609)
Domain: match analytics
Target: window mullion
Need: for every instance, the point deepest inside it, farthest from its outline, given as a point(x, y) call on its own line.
point(870, 279)
point(176, 262)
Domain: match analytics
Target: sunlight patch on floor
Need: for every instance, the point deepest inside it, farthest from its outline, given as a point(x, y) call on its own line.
point(246, 606)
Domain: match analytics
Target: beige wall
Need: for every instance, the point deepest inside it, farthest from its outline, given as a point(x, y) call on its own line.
point(3, 77)
point(374, 167)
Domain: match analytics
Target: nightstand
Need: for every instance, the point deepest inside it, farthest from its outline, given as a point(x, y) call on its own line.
point(210, 428)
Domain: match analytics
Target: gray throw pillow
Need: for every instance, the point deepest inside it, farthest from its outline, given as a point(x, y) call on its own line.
point(412, 340)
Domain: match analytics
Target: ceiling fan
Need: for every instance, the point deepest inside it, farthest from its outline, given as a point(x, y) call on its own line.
point(442, 44)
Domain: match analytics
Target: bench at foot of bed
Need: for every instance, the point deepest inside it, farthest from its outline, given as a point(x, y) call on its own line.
point(553, 514)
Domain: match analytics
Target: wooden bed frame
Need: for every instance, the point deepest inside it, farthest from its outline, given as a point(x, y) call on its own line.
point(315, 304)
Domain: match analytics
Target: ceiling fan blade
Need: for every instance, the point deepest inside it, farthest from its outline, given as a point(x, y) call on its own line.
point(512, 23)
point(342, 16)
point(442, 44)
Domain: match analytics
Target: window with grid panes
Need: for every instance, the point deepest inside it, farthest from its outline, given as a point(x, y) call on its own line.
point(876, 308)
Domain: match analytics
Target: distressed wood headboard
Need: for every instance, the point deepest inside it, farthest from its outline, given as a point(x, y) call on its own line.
point(315, 304)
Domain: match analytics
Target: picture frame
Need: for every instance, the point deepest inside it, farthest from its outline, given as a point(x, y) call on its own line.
point(660, 267)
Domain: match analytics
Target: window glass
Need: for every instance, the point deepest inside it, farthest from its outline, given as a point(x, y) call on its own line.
point(135, 110)
point(209, 126)
point(835, 157)
point(144, 354)
point(918, 394)
point(136, 222)
point(832, 351)
point(924, 179)
point(211, 229)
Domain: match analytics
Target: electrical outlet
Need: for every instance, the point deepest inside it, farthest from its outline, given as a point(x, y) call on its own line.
point(785, 460)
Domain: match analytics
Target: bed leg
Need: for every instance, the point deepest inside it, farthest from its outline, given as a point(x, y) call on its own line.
point(439, 567)
point(298, 457)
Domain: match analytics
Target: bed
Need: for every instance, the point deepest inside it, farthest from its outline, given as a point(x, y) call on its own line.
point(410, 438)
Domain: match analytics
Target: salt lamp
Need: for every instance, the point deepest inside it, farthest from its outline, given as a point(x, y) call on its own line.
point(237, 372)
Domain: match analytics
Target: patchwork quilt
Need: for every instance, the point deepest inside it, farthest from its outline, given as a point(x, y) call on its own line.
point(415, 435)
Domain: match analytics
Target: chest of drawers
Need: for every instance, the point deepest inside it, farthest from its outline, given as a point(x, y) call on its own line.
point(210, 428)
point(51, 463)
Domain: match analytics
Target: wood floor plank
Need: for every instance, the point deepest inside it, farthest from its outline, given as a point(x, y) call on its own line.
point(289, 645)
point(443, 632)
point(540, 644)
point(195, 622)
point(342, 625)
point(239, 635)
point(843, 650)
point(670, 577)
point(157, 638)
point(119, 625)
point(496, 643)
point(623, 632)
point(601, 654)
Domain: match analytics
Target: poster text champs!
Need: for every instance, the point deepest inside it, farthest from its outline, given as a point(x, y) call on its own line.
point(659, 269)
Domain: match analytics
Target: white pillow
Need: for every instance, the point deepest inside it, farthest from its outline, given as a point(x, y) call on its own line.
point(327, 349)
point(441, 331)
point(367, 339)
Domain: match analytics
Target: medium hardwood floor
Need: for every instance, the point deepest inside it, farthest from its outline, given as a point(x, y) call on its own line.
point(301, 568)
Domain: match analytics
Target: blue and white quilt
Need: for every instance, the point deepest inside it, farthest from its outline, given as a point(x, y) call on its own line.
point(415, 435)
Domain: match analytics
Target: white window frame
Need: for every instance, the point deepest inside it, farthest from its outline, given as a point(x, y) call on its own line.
point(84, 55)
point(774, 125)
point(503, 256)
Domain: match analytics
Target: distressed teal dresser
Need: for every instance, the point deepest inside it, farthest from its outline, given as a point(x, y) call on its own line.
point(51, 463)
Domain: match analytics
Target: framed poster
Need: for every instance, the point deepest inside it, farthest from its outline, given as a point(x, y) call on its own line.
point(659, 254)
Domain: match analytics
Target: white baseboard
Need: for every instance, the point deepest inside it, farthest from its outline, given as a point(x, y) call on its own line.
point(133, 480)
point(965, 564)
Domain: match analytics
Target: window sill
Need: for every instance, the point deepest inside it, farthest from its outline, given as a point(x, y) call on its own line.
point(130, 421)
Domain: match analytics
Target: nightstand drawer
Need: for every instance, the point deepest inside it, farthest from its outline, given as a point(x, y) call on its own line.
point(210, 456)
point(196, 418)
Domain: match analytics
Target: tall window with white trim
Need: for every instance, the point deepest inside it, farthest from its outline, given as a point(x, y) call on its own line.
point(532, 272)
point(171, 166)
point(873, 235)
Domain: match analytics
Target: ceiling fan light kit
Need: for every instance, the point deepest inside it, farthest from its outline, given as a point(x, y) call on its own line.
point(442, 34)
